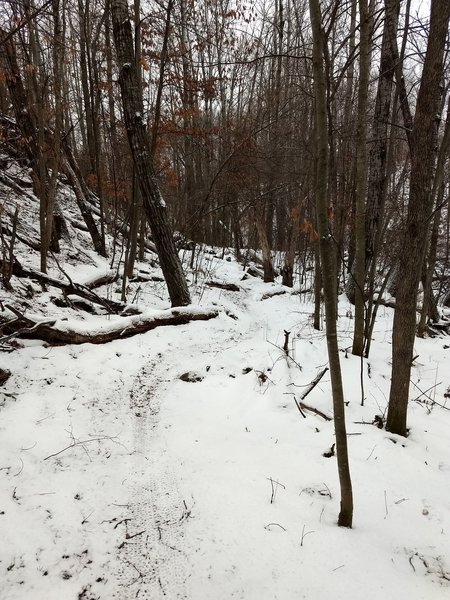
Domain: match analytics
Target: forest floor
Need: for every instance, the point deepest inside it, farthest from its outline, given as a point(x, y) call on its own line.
point(176, 464)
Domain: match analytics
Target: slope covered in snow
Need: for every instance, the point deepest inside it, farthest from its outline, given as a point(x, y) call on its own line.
point(176, 464)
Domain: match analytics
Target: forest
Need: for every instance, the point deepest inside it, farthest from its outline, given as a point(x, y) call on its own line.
point(181, 177)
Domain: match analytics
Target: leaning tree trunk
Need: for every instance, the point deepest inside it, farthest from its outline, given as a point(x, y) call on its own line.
point(328, 263)
point(423, 154)
point(154, 204)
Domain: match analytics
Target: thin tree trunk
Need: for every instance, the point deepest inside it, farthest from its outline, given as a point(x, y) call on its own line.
point(317, 286)
point(328, 264)
point(361, 178)
point(265, 246)
point(429, 307)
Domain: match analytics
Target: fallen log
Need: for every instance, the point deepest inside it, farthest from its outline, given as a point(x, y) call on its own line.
point(253, 271)
point(144, 278)
point(253, 256)
point(76, 289)
point(231, 287)
point(5, 374)
point(273, 293)
point(58, 332)
point(99, 280)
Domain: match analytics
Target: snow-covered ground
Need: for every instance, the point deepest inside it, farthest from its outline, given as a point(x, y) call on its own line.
point(175, 464)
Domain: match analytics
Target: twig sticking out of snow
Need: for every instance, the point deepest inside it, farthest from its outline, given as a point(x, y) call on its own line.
point(81, 443)
point(274, 485)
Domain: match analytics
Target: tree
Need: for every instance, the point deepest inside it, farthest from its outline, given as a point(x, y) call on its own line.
point(423, 148)
point(379, 152)
point(154, 204)
point(328, 264)
point(361, 177)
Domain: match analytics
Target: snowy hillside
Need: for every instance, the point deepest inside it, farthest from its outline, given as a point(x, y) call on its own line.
point(187, 461)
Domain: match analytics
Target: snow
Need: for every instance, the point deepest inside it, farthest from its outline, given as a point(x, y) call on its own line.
point(121, 480)
point(161, 201)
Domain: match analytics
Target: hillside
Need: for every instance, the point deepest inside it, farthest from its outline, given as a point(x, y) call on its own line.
point(177, 463)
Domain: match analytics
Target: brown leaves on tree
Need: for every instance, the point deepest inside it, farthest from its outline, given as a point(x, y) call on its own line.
point(307, 228)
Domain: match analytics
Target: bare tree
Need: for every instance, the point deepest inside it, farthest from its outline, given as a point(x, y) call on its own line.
point(328, 264)
point(361, 176)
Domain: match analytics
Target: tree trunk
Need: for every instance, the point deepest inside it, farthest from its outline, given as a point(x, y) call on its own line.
point(379, 134)
point(317, 286)
point(429, 305)
point(154, 204)
point(328, 264)
point(361, 178)
point(423, 155)
point(269, 274)
point(81, 191)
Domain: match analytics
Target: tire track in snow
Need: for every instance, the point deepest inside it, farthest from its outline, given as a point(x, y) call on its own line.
point(153, 557)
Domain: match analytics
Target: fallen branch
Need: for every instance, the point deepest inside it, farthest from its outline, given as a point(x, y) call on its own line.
point(16, 330)
point(253, 272)
point(273, 293)
point(302, 406)
point(231, 287)
point(68, 288)
point(316, 411)
point(100, 280)
point(81, 443)
point(60, 332)
point(144, 278)
point(313, 383)
point(299, 407)
point(269, 525)
point(253, 256)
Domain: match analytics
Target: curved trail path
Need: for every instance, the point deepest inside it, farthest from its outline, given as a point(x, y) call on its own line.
point(152, 558)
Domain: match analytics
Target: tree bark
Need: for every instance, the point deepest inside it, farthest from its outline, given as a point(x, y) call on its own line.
point(361, 178)
point(269, 274)
point(154, 204)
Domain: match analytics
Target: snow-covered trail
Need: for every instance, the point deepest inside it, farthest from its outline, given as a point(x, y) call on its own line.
point(121, 479)
point(89, 499)
point(153, 558)
point(106, 516)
